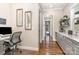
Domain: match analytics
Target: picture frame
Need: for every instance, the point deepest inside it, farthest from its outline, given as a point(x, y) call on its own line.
point(19, 17)
point(28, 20)
point(3, 21)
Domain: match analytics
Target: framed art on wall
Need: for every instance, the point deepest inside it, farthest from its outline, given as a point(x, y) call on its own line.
point(19, 17)
point(2, 21)
point(28, 20)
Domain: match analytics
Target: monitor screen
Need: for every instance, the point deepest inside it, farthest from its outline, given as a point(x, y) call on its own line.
point(5, 30)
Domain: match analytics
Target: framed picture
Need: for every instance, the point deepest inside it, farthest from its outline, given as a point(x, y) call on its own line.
point(28, 20)
point(2, 21)
point(19, 17)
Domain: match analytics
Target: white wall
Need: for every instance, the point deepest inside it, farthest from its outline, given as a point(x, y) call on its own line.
point(68, 11)
point(5, 13)
point(41, 26)
point(30, 38)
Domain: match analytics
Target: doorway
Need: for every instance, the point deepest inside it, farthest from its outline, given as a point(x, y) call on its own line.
point(47, 31)
point(48, 28)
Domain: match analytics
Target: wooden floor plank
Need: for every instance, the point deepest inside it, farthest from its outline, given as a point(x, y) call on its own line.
point(50, 48)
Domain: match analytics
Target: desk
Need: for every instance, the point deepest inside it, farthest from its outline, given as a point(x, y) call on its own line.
point(2, 47)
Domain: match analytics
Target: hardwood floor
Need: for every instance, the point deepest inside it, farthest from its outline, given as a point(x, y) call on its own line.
point(26, 52)
point(50, 48)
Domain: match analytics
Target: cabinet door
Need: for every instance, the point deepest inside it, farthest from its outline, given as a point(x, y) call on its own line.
point(58, 37)
point(1, 48)
point(60, 40)
point(68, 46)
point(77, 50)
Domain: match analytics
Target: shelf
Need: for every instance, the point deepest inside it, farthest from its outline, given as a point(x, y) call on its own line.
point(77, 12)
point(76, 16)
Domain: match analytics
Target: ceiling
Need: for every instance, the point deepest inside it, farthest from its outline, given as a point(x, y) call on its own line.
point(53, 5)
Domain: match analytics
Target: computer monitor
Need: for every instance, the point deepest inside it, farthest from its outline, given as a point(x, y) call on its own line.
point(5, 30)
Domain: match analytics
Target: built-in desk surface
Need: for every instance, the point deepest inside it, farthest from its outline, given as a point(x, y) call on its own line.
point(2, 39)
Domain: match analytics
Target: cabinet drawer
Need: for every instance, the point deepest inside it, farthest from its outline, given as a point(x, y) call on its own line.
point(2, 52)
point(1, 42)
point(69, 50)
point(1, 48)
point(76, 48)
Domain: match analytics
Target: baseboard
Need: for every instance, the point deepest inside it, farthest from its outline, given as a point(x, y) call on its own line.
point(28, 48)
point(54, 40)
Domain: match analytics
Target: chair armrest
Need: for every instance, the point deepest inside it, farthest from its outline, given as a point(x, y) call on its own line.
point(7, 40)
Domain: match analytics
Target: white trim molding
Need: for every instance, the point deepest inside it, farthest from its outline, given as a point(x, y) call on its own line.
point(28, 48)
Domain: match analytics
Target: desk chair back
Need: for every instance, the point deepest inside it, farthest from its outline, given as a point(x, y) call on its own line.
point(16, 38)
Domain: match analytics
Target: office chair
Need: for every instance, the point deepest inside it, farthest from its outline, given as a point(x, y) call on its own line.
point(10, 47)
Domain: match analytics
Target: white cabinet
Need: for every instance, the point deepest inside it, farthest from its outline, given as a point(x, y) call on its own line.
point(2, 47)
point(69, 46)
point(75, 17)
